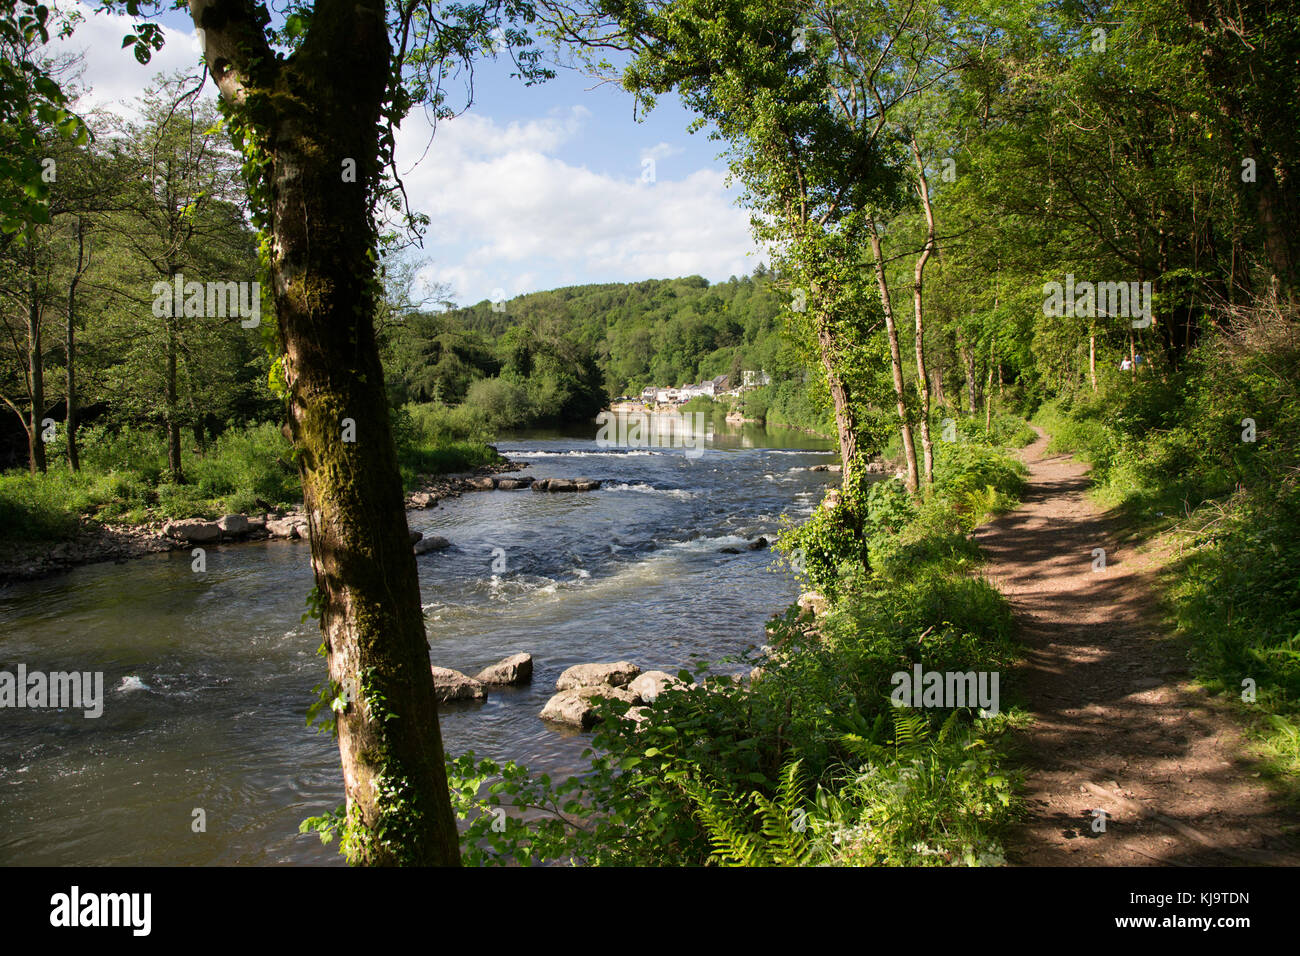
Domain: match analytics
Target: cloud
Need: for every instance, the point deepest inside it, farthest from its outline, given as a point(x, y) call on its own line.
point(509, 214)
point(112, 77)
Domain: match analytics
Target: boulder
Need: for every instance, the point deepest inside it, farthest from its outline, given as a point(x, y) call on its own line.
point(728, 551)
point(233, 525)
point(541, 484)
point(651, 684)
point(416, 536)
point(592, 675)
point(515, 669)
point(433, 542)
point(513, 484)
point(758, 544)
point(453, 685)
point(577, 706)
point(423, 499)
point(561, 484)
point(279, 527)
point(290, 526)
point(812, 603)
point(586, 484)
point(485, 483)
point(193, 530)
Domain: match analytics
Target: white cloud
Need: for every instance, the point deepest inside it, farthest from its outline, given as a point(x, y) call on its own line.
point(112, 77)
point(507, 213)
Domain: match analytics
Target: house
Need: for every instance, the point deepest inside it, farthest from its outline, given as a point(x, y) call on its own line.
point(752, 379)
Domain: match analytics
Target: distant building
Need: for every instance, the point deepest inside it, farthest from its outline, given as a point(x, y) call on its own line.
point(709, 388)
point(752, 379)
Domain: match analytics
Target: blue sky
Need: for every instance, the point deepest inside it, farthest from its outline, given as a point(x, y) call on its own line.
point(534, 187)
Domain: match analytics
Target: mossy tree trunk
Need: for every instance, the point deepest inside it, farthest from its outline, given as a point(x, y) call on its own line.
point(310, 118)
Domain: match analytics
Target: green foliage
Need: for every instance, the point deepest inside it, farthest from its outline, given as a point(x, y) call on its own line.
point(568, 351)
point(124, 473)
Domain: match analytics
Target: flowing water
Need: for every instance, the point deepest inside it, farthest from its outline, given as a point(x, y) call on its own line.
point(207, 676)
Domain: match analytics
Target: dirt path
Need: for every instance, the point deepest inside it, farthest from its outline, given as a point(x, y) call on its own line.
point(1117, 728)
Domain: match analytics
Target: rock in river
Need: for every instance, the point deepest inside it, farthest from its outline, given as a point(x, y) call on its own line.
point(453, 685)
point(577, 706)
point(591, 675)
point(515, 669)
point(432, 542)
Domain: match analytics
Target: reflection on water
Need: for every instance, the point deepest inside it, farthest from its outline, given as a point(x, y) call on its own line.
point(208, 676)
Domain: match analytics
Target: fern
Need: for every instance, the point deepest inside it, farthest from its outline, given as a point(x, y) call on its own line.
point(780, 839)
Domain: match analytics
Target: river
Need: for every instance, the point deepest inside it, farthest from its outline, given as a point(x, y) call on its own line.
point(207, 676)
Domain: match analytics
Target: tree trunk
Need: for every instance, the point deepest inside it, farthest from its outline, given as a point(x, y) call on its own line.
point(173, 426)
point(36, 367)
point(896, 357)
point(923, 380)
point(71, 347)
point(312, 113)
point(988, 403)
point(1092, 362)
point(968, 366)
point(845, 423)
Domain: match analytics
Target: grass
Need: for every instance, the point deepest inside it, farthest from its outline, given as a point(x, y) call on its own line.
point(124, 476)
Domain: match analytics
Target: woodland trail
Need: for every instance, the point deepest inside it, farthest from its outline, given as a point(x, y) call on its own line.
point(1118, 726)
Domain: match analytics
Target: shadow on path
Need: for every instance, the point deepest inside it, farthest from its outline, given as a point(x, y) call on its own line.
point(1118, 728)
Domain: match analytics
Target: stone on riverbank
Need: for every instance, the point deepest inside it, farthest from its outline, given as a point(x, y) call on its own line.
point(810, 602)
point(233, 525)
point(515, 669)
point(651, 684)
point(486, 483)
point(195, 530)
point(449, 685)
point(423, 499)
point(614, 674)
point(290, 526)
point(513, 484)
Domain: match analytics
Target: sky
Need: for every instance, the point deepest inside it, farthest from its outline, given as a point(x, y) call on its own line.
point(533, 188)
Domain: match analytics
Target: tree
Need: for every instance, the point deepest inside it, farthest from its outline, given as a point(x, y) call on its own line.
point(315, 125)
